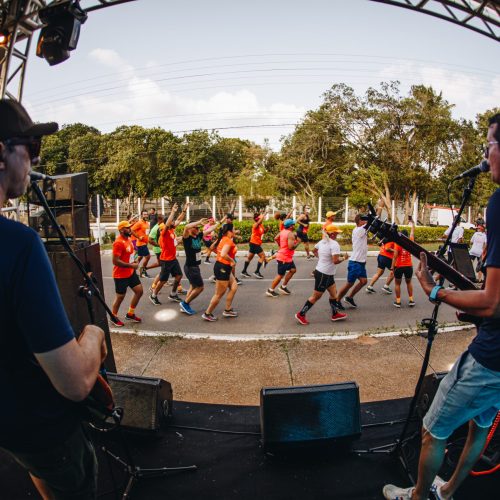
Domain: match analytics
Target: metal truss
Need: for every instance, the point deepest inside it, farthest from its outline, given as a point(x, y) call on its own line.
point(481, 16)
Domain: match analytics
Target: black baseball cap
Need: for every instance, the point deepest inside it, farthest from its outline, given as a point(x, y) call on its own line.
point(15, 122)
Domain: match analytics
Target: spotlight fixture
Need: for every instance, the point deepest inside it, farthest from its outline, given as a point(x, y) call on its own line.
point(4, 38)
point(62, 20)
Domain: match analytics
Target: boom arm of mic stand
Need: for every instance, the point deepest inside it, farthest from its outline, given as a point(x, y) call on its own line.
point(88, 280)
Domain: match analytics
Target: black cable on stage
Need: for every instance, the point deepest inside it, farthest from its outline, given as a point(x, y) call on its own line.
point(218, 431)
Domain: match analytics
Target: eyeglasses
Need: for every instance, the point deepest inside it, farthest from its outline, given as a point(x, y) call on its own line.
point(487, 148)
point(34, 145)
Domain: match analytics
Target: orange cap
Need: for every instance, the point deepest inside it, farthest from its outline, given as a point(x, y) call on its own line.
point(332, 228)
point(123, 224)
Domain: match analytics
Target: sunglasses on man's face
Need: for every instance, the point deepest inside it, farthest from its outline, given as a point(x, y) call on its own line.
point(34, 145)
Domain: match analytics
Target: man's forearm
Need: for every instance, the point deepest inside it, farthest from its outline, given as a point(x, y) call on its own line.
point(475, 302)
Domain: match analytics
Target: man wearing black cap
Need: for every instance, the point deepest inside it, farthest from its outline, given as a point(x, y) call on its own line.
point(44, 371)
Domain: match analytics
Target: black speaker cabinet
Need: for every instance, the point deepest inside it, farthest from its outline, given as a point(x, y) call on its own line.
point(74, 222)
point(309, 416)
point(428, 391)
point(146, 401)
point(64, 190)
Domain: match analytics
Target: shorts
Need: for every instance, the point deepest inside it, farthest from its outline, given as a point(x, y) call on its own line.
point(222, 271)
point(303, 237)
point(69, 469)
point(406, 271)
point(356, 270)
point(169, 268)
point(469, 391)
point(384, 262)
point(208, 243)
point(284, 267)
point(143, 250)
point(255, 249)
point(193, 275)
point(121, 284)
point(323, 281)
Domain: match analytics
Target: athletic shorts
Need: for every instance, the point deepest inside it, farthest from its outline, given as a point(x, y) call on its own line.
point(121, 284)
point(222, 271)
point(193, 275)
point(169, 268)
point(208, 243)
point(143, 251)
point(255, 249)
point(406, 271)
point(356, 270)
point(69, 469)
point(469, 392)
point(284, 267)
point(384, 262)
point(303, 237)
point(323, 281)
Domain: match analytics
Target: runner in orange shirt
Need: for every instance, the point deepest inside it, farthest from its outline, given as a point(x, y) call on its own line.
point(140, 231)
point(255, 246)
point(384, 261)
point(124, 274)
point(402, 266)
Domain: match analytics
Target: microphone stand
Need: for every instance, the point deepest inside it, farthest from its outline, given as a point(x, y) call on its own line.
point(397, 447)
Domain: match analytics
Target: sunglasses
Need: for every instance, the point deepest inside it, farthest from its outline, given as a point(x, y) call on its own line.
point(34, 145)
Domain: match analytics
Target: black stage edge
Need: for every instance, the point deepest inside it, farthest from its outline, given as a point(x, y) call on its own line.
point(233, 466)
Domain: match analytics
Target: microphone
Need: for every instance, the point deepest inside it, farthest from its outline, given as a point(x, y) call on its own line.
point(37, 176)
point(484, 166)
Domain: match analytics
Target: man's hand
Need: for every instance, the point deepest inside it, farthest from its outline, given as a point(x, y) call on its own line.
point(424, 275)
point(174, 207)
point(134, 265)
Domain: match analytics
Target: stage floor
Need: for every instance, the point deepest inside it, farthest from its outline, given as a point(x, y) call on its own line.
point(232, 465)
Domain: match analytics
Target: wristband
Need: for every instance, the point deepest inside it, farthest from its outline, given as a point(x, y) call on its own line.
point(433, 295)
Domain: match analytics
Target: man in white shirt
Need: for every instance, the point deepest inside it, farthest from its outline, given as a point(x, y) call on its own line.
point(356, 269)
point(328, 253)
point(457, 236)
point(478, 248)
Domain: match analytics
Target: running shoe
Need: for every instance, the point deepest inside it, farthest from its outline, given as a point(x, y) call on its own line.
point(208, 317)
point(154, 300)
point(411, 303)
point(181, 291)
point(229, 313)
point(247, 275)
point(144, 273)
point(207, 261)
point(301, 318)
point(397, 304)
point(133, 317)
point(186, 308)
point(387, 290)
point(116, 321)
point(339, 305)
point(212, 279)
point(271, 293)
point(174, 298)
point(351, 302)
point(238, 281)
point(436, 487)
point(392, 492)
point(309, 257)
point(284, 290)
point(338, 316)
point(370, 289)
point(258, 276)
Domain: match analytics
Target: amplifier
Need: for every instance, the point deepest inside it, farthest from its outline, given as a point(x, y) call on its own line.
point(63, 190)
point(74, 222)
point(145, 401)
point(427, 392)
point(309, 416)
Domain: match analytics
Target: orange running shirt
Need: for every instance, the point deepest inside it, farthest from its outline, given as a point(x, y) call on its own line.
point(257, 233)
point(140, 228)
point(404, 257)
point(232, 251)
point(124, 250)
point(384, 249)
point(167, 244)
point(284, 254)
point(282, 226)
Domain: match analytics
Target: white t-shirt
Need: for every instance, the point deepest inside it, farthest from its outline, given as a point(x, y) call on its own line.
point(326, 248)
point(478, 240)
point(457, 234)
point(359, 244)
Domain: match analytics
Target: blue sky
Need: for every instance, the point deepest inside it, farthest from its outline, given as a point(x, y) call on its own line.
point(227, 64)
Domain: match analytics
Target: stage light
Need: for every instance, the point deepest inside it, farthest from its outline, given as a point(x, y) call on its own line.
point(62, 20)
point(4, 38)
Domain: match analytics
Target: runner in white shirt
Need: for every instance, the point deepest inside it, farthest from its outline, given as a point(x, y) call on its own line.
point(478, 249)
point(328, 253)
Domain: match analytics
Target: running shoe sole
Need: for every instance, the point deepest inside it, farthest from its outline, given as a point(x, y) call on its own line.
point(388, 292)
point(230, 314)
point(300, 320)
point(269, 294)
point(155, 303)
point(395, 304)
point(284, 292)
point(208, 318)
point(258, 276)
point(339, 319)
point(135, 320)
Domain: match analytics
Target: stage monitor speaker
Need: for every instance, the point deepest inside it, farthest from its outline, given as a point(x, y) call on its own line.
point(74, 222)
point(462, 261)
point(63, 190)
point(146, 401)
point(314, 416)
point(427, 392)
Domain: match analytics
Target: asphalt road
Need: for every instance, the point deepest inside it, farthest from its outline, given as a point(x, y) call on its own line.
point(261, 315)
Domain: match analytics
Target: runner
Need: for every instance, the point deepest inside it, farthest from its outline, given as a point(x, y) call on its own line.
point(153, 238)
point(124, 274)
point(356, 269)
point(328, 253)
point(303, 222)
point(478, 242)
point(384, 261)
point(255, 246)
point(168, 257)
point(208, 238)
point(287, 242)
point(226, 252)
point(403, 266)
point(329, 218)
point(140, 231)
point(191, 238)
point(281, 217)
